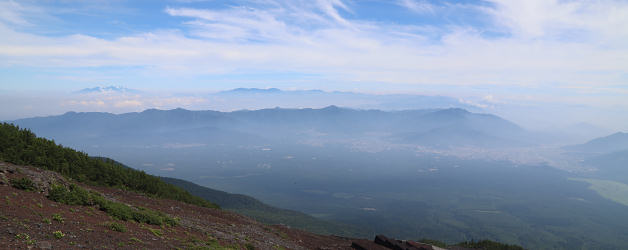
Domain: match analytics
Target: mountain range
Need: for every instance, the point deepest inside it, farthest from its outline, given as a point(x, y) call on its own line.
point(108, 90)
point(607, 156)
point(603, 145)
point(436, 128)
point(255, 98)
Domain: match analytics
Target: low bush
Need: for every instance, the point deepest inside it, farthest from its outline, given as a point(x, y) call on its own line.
point(22, 236)
point(75, 195)
point(23, 183)
point(117, 227)
point(155, 232)
point(57, 217)
point(135, 240)
point(58, 234)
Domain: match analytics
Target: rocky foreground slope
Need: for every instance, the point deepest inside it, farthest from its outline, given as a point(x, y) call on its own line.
point(30, 219)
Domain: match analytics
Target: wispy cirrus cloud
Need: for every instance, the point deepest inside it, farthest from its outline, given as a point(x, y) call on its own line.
point(11, 12)
point(420, 6)
point(601, 22)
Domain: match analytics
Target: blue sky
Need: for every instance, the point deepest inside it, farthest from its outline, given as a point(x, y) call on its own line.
point(571, 52)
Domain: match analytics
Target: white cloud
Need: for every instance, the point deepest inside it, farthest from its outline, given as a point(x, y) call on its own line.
point(87, 103)
point(329, 7)
point(10, 13)
point(234, 24)
point(127, 103)
point(592, 21)
point(419, 6)
point(570, 43)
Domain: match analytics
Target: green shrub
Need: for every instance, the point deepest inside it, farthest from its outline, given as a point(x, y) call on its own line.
point(123, 212)
point(75, 195)
point(22, 236)
point(147, 216)
point(249, 246)
point(115, 209)
point(57, 217)
point(155, 232)
point(170, 221)
point(57, 193)
point(58, 234)
point(23, 183)
point(117, 227)
point(135, 240)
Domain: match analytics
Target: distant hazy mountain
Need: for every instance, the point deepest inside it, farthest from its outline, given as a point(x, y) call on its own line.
point(572, 134)
point(107, 89)
point(584, 129)
point(431, 128)
point(603, 145)
point(254, 98)
point(612, 166)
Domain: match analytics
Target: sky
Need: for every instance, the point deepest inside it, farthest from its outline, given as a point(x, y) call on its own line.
point(571, 53)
